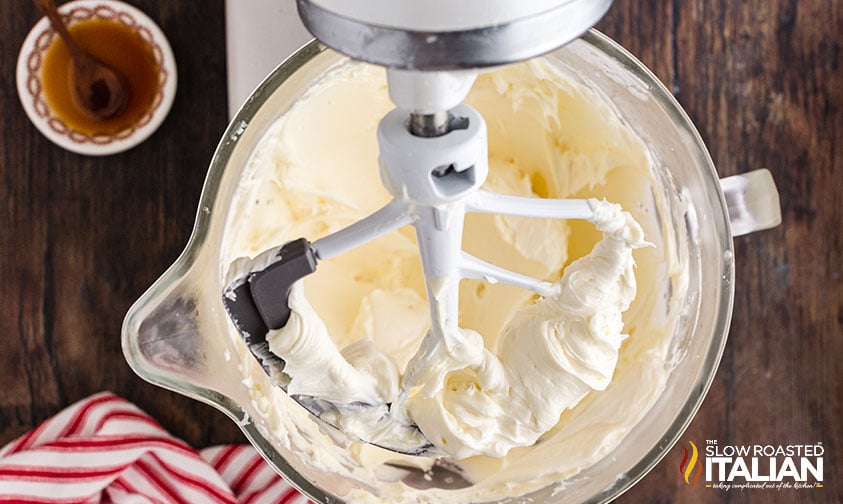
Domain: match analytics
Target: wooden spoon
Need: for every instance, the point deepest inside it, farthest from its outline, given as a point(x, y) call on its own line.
point(97, 89)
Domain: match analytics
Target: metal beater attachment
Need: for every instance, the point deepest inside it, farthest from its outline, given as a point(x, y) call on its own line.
point(433, 160)
point(434, 181)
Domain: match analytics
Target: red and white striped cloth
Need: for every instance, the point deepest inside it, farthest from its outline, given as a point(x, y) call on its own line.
point(105, 449)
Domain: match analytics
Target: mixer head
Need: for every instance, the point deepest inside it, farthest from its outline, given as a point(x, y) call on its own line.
point(433, 155)
point(431, 35)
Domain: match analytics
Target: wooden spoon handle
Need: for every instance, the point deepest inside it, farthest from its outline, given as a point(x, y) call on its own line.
point(48, 7)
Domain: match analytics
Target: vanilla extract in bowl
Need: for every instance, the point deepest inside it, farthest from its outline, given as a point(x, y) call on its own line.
point(117, 45)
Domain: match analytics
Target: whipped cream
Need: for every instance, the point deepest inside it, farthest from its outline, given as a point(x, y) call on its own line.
point(548, 357)
point(561, 380)
point(477, 401)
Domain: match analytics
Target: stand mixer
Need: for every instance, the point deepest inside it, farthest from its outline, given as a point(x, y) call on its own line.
point(272, 180)
point(433, 160)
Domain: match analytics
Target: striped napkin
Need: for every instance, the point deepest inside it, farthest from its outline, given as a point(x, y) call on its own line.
point(105, 449)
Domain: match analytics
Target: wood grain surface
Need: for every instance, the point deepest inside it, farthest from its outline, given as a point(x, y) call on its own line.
point(81, 238)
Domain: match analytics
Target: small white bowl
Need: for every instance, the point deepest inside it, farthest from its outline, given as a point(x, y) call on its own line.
point(37, 108)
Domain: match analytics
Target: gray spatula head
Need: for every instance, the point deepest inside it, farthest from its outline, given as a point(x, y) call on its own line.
point(256, 302)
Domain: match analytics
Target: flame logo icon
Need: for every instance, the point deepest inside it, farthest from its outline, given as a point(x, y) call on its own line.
point(689, 463)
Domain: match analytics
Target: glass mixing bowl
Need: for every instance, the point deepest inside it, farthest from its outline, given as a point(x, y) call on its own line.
point(177, 336)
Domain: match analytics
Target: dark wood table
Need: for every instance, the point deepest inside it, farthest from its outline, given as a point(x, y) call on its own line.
point(81, 238)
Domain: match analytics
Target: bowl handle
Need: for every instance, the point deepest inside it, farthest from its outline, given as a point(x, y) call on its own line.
point(753, 201)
